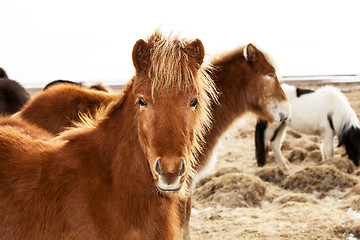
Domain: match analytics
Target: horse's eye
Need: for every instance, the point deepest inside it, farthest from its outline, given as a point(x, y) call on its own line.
point(271, 75)
point(142, 102)
point(194, 102)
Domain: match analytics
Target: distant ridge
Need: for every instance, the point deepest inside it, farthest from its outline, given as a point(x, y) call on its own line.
point(336, 78)
point(290, 79)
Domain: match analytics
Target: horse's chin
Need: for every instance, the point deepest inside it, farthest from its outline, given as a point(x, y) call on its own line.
point(278, 112)
point(281, 112)
point(169, 189)
point(173, 189)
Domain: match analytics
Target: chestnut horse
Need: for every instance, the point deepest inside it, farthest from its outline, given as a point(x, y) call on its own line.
point(247, 82)
point(121, 176)
point(12, 95)
point(61, 104)
point(26, 128)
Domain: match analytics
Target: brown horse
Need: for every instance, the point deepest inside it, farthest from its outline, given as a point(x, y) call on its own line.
point(99, 86)
point(121, 176)
point(12, 95)
point(26, 128)
point(61, 104)
point(247, 82)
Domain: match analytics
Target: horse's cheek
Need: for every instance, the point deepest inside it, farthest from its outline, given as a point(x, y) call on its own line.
point(143, 131)
point(191, 129)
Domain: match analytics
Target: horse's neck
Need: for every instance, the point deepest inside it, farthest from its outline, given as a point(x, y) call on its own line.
point(232, 104)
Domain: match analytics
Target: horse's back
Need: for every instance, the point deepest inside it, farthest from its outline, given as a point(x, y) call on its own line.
point(24, 150)
point(19, 146)
point(342, 114)
point(60, 105)
point(31, 194)
point(310, 111)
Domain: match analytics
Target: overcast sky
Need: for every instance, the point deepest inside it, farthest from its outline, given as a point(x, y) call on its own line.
point(91, 41)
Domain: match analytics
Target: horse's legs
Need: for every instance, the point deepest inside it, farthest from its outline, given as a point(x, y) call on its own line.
point(184, 215)
point(327, 145)
point(262, 130)
point(275, 143)
point(186, 226)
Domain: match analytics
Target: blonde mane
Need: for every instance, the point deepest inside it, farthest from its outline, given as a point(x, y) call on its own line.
point(170, 65)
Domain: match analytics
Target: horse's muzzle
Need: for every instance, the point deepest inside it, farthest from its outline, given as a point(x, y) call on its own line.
point(169, 179)
point(283, 117)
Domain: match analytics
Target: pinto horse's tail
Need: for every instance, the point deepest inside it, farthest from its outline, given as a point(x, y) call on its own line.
point(3, 73)
point(350, 137)
point(345, 124)
point(261, 150)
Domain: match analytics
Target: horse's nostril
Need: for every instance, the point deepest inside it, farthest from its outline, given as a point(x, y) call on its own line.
point(283, 117)
point(157, 167)
point(182, 168)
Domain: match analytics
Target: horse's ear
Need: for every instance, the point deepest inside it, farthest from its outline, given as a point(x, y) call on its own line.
point(250, 53)
point(3, 73)
point(197, 51)
point(140, 55)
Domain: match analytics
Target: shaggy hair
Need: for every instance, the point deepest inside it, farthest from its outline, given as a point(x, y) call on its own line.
point(171, 68)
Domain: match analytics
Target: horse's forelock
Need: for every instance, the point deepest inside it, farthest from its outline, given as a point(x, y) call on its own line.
point(170, 64)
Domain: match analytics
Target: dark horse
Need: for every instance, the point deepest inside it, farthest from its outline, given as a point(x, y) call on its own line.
point(121, 176)
point(12, 95)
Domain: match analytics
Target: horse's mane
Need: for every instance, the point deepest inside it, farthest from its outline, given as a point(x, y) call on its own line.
point(226, 56)
point(170, 65)
point(236, 53)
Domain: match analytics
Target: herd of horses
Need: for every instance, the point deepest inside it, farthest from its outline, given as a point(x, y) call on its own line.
point(85, 163)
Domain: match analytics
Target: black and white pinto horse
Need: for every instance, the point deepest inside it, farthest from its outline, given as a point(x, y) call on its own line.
point(325, 112)
point(12, 95)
